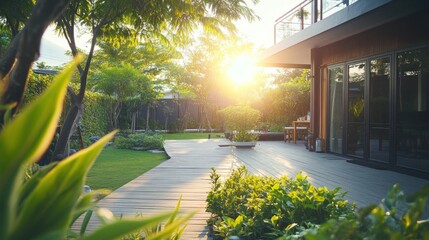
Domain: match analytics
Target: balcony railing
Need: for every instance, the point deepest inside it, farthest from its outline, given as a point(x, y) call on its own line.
point(304, 14)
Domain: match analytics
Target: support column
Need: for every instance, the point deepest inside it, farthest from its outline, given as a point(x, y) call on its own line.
point(315, 96)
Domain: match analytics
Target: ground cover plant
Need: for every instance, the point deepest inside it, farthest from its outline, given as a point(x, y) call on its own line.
point(140, 140)
point(115, 167)
point(253, 207)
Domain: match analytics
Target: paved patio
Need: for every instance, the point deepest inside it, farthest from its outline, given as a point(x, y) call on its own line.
point(187, 174)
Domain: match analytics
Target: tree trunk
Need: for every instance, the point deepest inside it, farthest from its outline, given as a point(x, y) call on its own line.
point(185, 118)
point(208, 121)
point(75, 113)
point(147, 118)
point(116, 112)
point(67, 129)
point(166, 123)
point(133, 122)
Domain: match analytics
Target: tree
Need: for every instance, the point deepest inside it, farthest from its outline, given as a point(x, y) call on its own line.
point(204, 75)
point(115, 21)
point(118, 83)
point(153, 59)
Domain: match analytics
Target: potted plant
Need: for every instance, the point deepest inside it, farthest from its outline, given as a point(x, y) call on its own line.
point(239, 120)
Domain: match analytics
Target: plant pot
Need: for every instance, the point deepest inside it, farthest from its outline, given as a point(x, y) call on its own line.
point(244, 144)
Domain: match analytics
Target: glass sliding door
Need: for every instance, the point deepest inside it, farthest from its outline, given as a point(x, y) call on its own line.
point(379, 109)
point(412, 106)
point(336, 77)
point(356, 102)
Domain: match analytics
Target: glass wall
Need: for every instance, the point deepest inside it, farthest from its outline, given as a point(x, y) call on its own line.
point(379, 109)
point(336, 77)
point(412, 129)
point(356, 102)
point(377, 116)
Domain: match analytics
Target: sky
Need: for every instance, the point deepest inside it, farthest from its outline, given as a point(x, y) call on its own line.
point(260, 32)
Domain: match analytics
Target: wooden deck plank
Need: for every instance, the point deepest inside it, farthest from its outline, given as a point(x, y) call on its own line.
point(364, 185)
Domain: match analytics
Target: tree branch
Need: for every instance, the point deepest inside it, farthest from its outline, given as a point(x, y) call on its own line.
point(28, 47)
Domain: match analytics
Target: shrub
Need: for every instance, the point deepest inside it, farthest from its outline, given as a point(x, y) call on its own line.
point(384, 221)
point(241, 119)
point(254, 207)
point(140, 140)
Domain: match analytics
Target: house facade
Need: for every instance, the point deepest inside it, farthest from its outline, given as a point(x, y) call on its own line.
point(370, 77)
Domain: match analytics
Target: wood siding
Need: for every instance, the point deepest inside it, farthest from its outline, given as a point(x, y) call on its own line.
point(405, 33)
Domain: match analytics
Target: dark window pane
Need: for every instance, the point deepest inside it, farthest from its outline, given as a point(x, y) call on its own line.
point(355, 139)
point(379, 109)
point(336, 107)
point(356, 92)
point(412, 130)
point(356, 100)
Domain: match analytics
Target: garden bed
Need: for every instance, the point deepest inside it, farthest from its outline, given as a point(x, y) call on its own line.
point(271, 136)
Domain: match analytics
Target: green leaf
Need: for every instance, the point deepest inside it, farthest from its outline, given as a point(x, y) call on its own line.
point(171, 228)
point(85, 222)
point(23, 141)
point(50, 207)
point(29, 186)
point(121, 227)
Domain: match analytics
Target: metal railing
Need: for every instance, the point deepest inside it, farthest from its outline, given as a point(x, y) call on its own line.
point(304, 14)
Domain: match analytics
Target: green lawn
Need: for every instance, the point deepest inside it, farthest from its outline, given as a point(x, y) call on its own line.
point(115, 167)
point(180, 136)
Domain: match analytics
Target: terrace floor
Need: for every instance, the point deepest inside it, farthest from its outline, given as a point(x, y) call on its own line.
point(187, 174)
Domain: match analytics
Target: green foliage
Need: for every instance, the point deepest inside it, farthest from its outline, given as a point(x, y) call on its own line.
point(242, 136)
point(142, 140)
point(290, 98)
point(253, 207)
point(95, 107)
point(395, 218)
point(241, 118)
point(96, 111)
point(37, 83)
point(45, 206)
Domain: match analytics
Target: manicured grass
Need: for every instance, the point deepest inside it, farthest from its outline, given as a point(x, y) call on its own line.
point(184, 136)
point(115, 167)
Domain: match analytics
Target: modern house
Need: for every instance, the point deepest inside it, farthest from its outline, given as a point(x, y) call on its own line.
point(370, 77)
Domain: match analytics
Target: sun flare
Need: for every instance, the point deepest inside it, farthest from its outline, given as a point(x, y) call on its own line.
point(242, 70)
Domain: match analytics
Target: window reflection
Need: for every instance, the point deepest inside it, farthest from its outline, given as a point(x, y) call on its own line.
point(356, 101)
point(336, 76)
point(379, 95)
point(413, 109)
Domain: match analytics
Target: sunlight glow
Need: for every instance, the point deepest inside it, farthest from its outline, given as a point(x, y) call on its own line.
point(242, 70)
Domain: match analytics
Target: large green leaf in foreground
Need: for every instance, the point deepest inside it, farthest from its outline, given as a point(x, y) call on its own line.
point(24, 139)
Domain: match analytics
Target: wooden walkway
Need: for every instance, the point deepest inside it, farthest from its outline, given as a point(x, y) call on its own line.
point(187, 174)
